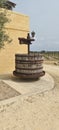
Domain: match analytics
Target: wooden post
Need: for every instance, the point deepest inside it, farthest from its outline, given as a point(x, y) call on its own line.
point(28, 48)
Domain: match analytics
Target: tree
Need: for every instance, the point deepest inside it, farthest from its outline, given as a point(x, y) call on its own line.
point(8, 4)
point(3, 20)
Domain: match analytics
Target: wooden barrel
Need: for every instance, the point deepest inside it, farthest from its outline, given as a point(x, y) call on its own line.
point(29, 66)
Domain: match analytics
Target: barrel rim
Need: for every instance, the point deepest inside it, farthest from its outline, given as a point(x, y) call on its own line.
point(29, 76)
point(30, 55)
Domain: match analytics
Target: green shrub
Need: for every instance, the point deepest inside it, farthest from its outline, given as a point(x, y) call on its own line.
point(3, 20)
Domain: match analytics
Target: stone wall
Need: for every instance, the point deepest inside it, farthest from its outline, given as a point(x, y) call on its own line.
point(17, 27)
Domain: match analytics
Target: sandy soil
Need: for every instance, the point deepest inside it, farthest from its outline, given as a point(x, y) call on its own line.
point(6, 91)
point(38, 112)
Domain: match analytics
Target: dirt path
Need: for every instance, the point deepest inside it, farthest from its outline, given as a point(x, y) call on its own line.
point(38, 112)
point(54, 72)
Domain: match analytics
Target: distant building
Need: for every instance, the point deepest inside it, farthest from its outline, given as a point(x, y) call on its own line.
point(9, 5)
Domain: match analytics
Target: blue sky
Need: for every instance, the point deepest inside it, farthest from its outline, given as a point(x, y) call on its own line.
point(44, 20)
